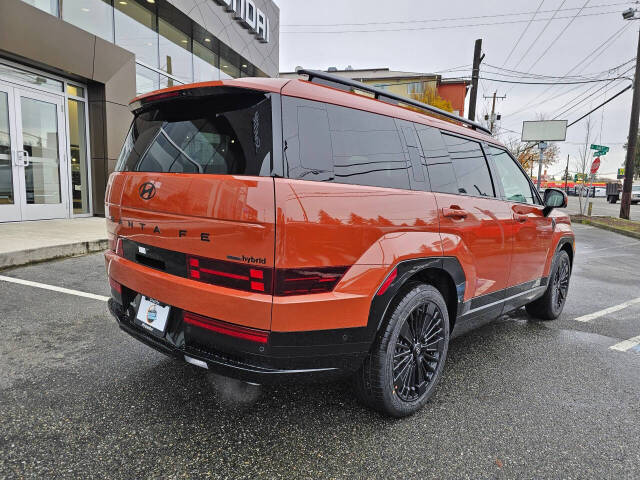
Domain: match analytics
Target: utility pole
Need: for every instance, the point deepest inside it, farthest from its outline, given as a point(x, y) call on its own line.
point(566, 175)
point(493, 116)
point(542, 146)
point(477, 58)
point(625, 204)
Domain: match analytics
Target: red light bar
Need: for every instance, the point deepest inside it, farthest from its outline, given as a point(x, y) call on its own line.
point(245, 333)
point(301, 281)
point(387, 283)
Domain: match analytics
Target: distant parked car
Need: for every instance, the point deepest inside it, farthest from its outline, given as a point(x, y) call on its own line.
point(600, 192)
point(635, 194)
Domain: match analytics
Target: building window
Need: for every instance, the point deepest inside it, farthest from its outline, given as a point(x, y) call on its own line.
point(146, 80)
point(30, 78)
point(78, 155)
point(94, 16)
point(205, 62)
point(175, 52)
point(49, 6)
point(415, 88)
point(136, 30)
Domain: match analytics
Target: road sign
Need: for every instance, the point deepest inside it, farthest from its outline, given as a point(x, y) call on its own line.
point(620, 173)
point(602, 148)
point(595, 165)
point(544, 131)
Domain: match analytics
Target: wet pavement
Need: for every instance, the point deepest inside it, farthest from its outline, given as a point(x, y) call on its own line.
point(519, 398)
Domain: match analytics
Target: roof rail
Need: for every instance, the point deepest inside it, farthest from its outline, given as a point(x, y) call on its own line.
point(329, 79)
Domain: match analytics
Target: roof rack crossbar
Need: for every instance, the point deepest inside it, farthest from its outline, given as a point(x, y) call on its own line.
point(378, 93)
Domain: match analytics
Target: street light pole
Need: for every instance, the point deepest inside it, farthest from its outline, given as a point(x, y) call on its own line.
point(625, 204)
point(542, 146)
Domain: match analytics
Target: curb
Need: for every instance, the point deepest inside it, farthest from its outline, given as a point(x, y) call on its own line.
point(24, 257)
point(609, 228)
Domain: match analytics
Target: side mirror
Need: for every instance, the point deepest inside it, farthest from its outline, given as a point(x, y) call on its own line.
point(554, 198)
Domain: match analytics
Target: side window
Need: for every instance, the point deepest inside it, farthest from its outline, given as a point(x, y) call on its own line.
point(330, 143)
point(437, 159)
point(469, 166)
point(515, 184)
point(367, 149)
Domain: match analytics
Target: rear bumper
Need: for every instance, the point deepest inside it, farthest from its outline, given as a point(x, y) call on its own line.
point(278, 363)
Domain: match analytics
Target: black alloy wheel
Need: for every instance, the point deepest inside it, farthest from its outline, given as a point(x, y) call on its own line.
point(550, 305)
point(405, 363)
point(418, 351)
point(561, 283)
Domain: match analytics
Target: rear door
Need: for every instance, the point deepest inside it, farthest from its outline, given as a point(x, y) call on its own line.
point(474, 223)
point(193, 197)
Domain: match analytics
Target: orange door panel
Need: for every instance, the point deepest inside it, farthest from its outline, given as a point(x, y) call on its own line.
point(478, 231)
point(532, 238)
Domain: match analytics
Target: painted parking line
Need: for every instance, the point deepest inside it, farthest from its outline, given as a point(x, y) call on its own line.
point(626, 345)
point(53, 288)
point(607, 311)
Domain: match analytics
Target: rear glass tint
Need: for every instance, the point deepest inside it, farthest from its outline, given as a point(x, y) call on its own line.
point(220, 134)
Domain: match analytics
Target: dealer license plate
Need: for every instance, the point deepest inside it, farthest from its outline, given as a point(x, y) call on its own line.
point(152, 315)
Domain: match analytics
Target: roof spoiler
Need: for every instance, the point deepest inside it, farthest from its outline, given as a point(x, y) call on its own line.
point(379, 94)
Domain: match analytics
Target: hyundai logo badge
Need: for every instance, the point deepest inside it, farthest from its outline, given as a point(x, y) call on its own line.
point(147, 191)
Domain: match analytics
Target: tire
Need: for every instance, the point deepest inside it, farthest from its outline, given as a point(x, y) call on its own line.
point(550, 305)
point(418, 307)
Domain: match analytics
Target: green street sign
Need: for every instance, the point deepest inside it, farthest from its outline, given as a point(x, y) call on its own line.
point(601, 149)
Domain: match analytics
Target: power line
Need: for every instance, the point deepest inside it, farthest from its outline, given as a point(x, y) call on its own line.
point(434, 20)
point(557, 37)
point(628, 87)
point(521, 74)
point(446, 27)
point(522, 34)
point(588, 95)
point(602, 48)
point(540, 34)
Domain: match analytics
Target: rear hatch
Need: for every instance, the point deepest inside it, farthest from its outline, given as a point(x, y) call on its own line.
point(192, 198)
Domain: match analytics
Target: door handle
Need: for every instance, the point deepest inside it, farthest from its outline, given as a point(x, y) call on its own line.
point(520, 218)
point(454, 212)
point(24, 156)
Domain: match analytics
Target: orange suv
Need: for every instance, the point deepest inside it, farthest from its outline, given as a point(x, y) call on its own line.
point(283, 230)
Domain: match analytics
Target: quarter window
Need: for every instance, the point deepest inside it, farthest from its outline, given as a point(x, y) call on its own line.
point(470, 166)
point(515, 184)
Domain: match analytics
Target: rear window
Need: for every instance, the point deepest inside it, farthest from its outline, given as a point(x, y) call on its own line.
point(228, 133)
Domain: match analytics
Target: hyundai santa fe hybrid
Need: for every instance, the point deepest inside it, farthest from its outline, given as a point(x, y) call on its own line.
point(278, 230)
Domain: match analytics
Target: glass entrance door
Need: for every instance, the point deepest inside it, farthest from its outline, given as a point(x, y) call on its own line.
point(33, 178)
point(9, 182)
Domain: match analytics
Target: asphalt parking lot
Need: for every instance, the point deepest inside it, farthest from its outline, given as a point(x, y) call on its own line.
point(602, 207)
point(519, 399)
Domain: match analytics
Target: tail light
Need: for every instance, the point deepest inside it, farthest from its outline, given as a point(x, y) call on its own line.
point(250, 278)
point(301, 281)
point(230, 274)
point(245, 333)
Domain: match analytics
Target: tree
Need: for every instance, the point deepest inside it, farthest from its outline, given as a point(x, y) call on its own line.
point(583, 162)
point(431, 97)
point(527, 153)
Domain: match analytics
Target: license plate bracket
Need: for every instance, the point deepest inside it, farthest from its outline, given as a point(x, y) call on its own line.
point(152, 315)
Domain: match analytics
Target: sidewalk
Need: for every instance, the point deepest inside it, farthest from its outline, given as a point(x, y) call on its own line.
point(27, 242)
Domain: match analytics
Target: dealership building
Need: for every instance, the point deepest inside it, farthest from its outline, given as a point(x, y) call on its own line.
point(68, 69)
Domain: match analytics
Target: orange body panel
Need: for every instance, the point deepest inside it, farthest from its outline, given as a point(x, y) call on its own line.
point(330, 224)
point(208, 215)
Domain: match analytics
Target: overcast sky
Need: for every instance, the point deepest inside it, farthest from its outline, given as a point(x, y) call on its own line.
point(410, 45)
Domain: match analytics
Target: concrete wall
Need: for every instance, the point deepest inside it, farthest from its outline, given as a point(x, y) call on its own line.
point(229, 31)
point(43, 41)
